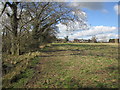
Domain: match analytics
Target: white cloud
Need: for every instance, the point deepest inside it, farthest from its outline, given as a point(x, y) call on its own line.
point(8, 9)
point(106, 37)
point(62, 30)
point(79, 13)
point(95, 30)
point(80, 24)
point(88, 5)
point(101, 32)
point(105, 11)
point(1, 7)
point(94, 0)
point(117, 9)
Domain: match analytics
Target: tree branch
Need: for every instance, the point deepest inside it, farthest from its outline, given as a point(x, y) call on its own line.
point(3, 9)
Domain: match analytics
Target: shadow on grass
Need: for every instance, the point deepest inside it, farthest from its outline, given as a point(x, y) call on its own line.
point(62, 55)
point(60, 50)
point(78, 45)
point(75, 52)
point(85, 50)
point(73, 83)
point(112, 68)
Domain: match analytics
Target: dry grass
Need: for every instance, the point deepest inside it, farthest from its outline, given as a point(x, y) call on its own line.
point(73, 65)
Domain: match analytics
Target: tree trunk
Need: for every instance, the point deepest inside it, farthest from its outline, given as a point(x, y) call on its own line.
point(35, 35)
point(14, 25)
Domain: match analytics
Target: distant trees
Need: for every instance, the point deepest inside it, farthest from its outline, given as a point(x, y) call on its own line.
point(14, 19)
point(66, 39)
point(114, 40)
point(94, 39)
point(26, 25)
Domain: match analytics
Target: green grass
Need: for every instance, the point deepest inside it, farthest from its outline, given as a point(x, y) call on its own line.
point(26, 75)
point(71, 65)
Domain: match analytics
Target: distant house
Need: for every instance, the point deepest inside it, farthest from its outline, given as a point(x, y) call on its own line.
point(111, 40)
point(117, 41)
point(114, 40)
point(76, 41)
point(86, 41)
point(81, 41)
point(60, 40)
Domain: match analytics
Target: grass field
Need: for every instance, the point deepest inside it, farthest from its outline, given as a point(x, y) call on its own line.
point(68, 65)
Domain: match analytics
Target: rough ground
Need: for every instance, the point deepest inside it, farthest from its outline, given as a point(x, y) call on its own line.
point(76, 66)
point(67, 65)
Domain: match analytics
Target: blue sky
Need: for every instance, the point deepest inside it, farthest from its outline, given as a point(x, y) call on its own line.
point(107, 17)
point(101, 16)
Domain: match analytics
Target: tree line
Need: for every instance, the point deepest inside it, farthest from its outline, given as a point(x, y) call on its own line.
point(27, 25)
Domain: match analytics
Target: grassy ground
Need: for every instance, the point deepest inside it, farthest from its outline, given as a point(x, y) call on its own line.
point(70, 65)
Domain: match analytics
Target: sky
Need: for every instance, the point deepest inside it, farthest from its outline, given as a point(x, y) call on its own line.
point(102, 17)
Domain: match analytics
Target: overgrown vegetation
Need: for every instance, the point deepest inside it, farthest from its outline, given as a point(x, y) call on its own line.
point(20, 67)
point(66, 65)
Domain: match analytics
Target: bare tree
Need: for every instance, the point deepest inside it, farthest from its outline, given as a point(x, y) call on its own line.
point(94, 39)
point(14, 25)
point(46, 15)
point(36, 21)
